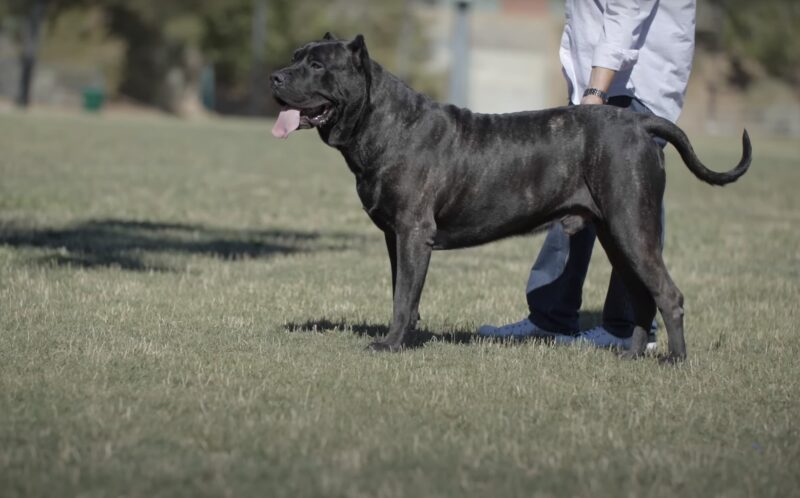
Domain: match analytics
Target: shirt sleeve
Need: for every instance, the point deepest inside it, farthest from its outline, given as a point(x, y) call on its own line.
point(624, 22)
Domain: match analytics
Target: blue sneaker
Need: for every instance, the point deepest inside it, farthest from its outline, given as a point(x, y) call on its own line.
point(522, 329)
point(601, 338)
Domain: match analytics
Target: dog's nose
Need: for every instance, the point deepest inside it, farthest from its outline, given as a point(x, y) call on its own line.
point(278, 78)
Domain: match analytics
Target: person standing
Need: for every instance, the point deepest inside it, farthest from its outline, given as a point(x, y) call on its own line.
point(635, 54)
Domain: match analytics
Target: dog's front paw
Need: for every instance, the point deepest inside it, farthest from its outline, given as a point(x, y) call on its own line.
point(631, 355)
point(380, 347)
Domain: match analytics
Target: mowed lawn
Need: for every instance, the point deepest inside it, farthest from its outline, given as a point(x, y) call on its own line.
point(184, 310)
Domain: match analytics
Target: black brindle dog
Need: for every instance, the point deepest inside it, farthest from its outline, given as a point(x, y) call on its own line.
point(435, 176)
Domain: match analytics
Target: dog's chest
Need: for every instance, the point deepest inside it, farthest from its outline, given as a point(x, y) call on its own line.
point(375, 199)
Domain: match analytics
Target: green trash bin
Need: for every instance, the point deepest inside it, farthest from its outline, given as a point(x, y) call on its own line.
point(93, 98)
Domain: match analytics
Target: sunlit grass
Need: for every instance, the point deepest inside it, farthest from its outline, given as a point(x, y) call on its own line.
point(183, 312)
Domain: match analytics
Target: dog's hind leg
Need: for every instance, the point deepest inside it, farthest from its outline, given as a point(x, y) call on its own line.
point(413, 254)
point(633, 247)
point(643, 304)
point(638, 341)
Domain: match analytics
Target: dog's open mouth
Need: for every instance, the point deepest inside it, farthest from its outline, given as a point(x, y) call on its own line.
point(292, 118)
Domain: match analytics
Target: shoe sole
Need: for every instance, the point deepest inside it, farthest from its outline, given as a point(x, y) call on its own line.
point(560, 339)
point(567, 339)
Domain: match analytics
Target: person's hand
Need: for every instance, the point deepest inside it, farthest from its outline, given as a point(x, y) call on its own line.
point(591, 100)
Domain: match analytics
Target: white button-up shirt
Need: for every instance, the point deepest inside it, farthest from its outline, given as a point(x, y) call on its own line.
point(650, 43)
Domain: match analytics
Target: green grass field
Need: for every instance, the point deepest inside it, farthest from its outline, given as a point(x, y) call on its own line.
point(184, 310)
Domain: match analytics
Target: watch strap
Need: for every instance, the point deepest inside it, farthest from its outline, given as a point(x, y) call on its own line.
point(599, 93)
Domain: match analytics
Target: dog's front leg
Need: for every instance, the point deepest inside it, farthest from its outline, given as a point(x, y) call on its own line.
point(391, 248)
point(413, 253)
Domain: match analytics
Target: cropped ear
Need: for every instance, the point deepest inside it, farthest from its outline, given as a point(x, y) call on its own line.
point(341, 132)
point(359, 49)
point(329, 36)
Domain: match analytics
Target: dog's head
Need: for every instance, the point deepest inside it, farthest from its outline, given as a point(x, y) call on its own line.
point(325, 87)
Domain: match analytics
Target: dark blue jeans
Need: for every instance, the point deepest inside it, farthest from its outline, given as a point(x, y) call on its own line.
point(555, 284)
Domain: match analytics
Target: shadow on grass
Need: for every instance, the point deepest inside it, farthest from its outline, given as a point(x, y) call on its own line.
point(418, 339)
point(588, 319)
point(137, 245)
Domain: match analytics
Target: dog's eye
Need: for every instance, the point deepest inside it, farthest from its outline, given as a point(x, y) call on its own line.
point(316, 66)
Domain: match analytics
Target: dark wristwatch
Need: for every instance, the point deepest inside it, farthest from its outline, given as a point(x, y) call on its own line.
point(594, 91)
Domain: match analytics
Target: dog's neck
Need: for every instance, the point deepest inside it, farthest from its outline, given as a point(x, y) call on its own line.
point(365, 146)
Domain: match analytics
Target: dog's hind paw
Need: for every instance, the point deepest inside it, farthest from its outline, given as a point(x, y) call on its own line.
point(671, 359)
point(380, 347)
point(631, 354)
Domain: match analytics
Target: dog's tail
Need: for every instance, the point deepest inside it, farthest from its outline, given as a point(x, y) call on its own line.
point(671, 133)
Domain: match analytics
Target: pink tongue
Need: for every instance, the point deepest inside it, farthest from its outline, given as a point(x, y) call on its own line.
point(287, 122)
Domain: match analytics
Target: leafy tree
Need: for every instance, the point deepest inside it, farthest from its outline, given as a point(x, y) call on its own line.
point(289, 24)
point(766, 31)
point(33, 15)
point(168, 42)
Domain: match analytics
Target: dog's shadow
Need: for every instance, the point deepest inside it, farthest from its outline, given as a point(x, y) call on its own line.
point(417, 339)
point(420, 337)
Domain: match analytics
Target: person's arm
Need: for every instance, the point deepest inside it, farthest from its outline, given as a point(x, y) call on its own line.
point(623, 22)
point(600, 79)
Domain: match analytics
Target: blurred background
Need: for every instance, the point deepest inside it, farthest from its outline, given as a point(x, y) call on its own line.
point(205, 58)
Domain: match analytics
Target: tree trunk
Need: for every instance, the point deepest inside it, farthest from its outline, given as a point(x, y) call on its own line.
point(184, 96)
point(258, 80)
point(30, 46)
